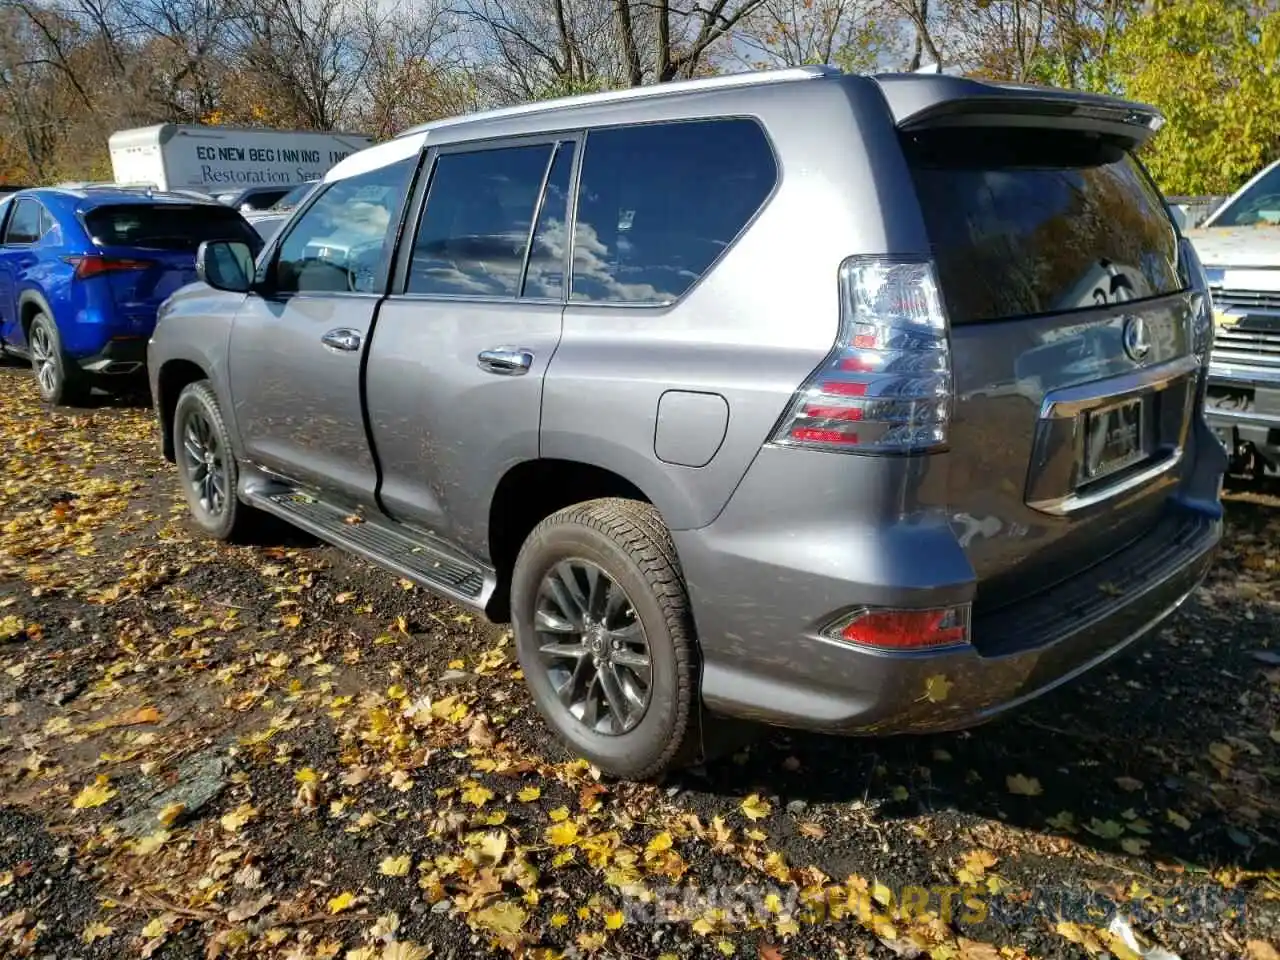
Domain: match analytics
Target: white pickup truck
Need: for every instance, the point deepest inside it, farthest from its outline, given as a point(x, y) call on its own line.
point(1239, 245)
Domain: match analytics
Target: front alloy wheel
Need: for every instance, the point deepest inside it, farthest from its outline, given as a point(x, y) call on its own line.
point(205, 462)
point(207, 465)
point(593, 647)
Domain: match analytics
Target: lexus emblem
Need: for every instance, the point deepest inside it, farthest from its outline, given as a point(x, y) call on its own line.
point(1137, 340)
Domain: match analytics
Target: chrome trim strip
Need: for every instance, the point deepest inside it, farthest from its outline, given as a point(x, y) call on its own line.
point(1071, 401)
point(1247, 417)
point(1072, 502)
point(1230, 375)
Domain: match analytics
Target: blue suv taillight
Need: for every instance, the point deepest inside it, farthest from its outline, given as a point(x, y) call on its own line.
point(886, 387)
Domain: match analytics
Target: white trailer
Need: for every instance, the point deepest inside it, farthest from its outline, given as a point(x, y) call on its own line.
point(215, 160)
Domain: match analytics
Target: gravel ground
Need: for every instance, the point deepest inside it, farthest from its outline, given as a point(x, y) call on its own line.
point(280, 751)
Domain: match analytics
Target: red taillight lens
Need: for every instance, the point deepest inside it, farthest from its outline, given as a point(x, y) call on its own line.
point(903, 629)
point(890, 371)
point(93, 265)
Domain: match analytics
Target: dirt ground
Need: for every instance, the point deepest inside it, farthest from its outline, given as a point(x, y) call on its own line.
point(280, 751)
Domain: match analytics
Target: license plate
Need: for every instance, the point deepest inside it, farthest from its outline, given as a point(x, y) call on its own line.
point(1113, 439)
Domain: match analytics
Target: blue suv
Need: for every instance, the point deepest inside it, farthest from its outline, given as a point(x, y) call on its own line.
point(83, 271)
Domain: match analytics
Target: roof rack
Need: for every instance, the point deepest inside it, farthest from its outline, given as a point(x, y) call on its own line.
point(752, 78)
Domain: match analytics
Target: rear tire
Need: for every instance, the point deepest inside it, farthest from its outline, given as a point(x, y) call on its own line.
point(605, 636)
point(207, 465)
point(60, 381)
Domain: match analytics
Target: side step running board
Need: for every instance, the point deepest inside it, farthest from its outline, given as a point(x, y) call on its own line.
point(414, 556)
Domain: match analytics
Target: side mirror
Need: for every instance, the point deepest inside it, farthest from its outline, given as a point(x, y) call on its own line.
point(225, 265)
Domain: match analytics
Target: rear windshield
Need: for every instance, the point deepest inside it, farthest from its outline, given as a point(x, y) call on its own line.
point(1026, 222)
point(169, 226)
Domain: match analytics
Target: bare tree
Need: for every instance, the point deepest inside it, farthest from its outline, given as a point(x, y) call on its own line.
point(413, 71)
point(528, 49)
point(305, 56)
point(846, 33)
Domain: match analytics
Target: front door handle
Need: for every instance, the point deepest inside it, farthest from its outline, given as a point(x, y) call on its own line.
point(342, 339)
point(508, 361)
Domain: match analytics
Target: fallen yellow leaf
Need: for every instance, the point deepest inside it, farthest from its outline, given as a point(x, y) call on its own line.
point(96, 931)
point(343, 901)
point(754, 808)
point(395, 866)
point(528, 794)
point(1023, 786)
point(170, 813)
point(405, 950)
point(237, 818)
point(94, 795)
point(504, 918)
point(562, 834)
point(937, 688)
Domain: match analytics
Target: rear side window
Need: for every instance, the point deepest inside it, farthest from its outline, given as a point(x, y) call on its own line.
point(1028, 222)
point(659, 203)
point(168, 226)
point(475, 228)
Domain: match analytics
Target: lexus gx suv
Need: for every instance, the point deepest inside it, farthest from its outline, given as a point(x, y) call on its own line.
point(856, 404)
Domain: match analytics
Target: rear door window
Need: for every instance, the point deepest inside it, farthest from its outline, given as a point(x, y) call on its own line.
point(659, 203)
point(1028, 222)
point(168, 226)
point(475, 228)
point(24, 224)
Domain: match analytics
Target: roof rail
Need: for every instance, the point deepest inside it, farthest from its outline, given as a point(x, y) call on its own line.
point(751, 78)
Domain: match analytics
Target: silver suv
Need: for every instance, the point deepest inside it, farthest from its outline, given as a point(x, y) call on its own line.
point(857, 404)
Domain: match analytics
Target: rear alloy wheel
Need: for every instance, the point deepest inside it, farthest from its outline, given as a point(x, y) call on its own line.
point(206, 464)
point(605, 636)
point(55, 376)
point(593, 647)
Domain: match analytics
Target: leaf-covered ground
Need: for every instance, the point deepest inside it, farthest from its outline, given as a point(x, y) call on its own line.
point(279, 751)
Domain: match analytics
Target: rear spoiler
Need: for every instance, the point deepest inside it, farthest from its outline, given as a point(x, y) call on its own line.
point(920, 101)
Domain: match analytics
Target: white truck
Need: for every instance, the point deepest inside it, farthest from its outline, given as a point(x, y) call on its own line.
point(226, 160)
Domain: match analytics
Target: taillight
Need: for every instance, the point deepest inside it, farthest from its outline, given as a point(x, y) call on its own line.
point(94, 264)
point(903, 629)
point(1202, 318)
point(886, 387)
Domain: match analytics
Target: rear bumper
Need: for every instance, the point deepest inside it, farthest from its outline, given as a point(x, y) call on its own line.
point(117, 358)
point(765, 658)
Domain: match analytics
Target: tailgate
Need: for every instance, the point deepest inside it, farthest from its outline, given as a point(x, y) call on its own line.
point(1074, 376)
point(157, 241)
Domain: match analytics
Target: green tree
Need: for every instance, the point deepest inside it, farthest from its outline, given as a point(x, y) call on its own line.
point(1213, 68)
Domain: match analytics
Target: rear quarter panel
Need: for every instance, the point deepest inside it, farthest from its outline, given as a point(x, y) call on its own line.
point(760, 321)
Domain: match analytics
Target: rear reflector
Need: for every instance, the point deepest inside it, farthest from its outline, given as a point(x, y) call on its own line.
point(903, 629)
point(93, 265)
point(886, 387)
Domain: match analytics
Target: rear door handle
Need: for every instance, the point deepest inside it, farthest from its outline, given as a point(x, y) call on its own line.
point(342, 339)
point(508, 361)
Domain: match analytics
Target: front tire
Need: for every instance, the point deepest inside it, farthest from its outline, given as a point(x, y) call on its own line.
point(605, 636)
point(58, 379)
point(207, 467)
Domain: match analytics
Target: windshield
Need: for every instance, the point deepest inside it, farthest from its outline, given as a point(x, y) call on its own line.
point(293, 197)
point(1258, 204)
